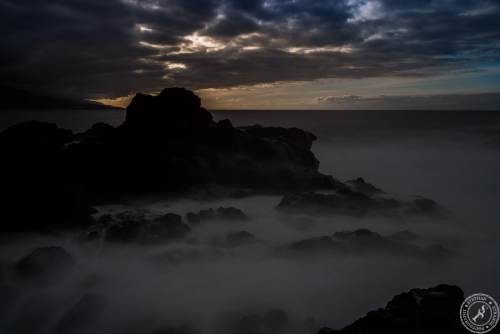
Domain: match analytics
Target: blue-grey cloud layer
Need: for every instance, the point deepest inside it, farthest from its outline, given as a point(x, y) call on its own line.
point(112, 47)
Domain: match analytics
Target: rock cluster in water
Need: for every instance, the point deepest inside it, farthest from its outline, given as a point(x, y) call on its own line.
point(168, 144)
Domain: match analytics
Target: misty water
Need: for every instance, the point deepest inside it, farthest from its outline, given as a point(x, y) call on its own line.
point(451, 157)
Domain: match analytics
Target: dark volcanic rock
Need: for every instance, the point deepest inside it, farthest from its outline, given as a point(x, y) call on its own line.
point(228, 214)
point(366, 241)
point(363, 187)
point(344, 202)
point(172, 112)
point(44, 264)
point(32, 196)
point(141, 230)
point(353, 203)
point(167, 144)
point(434, 310)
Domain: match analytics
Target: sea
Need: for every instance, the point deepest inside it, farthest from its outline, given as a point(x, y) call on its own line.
point(452, 157)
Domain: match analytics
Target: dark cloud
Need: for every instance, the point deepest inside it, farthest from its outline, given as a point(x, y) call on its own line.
point(482, 101)
point(98, 48)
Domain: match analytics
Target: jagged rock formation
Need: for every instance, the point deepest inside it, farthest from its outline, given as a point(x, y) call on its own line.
point(135, 227)
point(360, 185)
point(434, 310)
point(167, 145)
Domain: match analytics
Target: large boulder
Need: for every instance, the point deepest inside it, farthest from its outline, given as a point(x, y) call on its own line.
point(173, 111)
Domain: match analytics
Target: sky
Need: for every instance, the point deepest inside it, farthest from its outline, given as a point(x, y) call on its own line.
point(259, 54)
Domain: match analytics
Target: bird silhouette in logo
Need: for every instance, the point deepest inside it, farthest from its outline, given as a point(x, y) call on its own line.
point(480, 313)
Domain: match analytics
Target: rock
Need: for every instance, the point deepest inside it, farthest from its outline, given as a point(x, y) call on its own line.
point(347, 202)
point(80, 316)
point(363, 187)
point(35, 134)
point(433, 310)
point(44, 264)
point(167, 144)
point(98, 133)
point(138, 229)
point(173, 111)
point(224, 214)
point(35, 194)
point(366, 241)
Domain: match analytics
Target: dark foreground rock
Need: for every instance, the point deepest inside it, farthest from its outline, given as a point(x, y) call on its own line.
point(434, 310)
point(220, 214)
point(167, 144)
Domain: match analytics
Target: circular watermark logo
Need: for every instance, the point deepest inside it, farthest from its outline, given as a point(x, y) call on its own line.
point(479, 313)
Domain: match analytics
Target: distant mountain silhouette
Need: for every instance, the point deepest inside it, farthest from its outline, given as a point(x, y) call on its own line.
point(14, 98)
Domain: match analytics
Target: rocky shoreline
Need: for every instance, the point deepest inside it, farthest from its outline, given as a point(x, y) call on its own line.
point(169, 146)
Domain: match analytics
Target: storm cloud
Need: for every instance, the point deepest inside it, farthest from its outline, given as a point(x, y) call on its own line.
point(111, 48)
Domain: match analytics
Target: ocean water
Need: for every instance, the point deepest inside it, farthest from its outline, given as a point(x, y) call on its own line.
point(452, 157)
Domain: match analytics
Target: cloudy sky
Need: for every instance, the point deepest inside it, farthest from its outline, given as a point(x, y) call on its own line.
point(248, 54)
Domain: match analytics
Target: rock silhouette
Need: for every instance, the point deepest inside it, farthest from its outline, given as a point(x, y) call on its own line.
point(221, 214)
point(131, 227)
point(434, 310)
point(168, 144)
point(345, 201)
point(366, 241)
point(360, 185)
